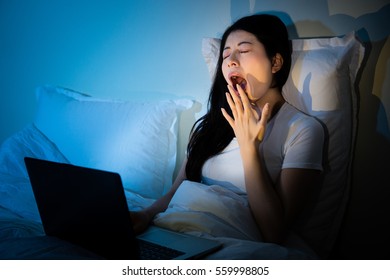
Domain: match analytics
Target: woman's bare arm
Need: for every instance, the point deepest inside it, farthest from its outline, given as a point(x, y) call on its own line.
point(142, 219)
point(275, 208)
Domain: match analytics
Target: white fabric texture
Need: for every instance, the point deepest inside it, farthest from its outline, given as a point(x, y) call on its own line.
point(209, 209)
point(221, 214)
point(211, 212)
point(15, 189)
point(136, 139)
point(322, 84)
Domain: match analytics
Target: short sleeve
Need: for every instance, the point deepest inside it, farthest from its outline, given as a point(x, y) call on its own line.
point(304, 147)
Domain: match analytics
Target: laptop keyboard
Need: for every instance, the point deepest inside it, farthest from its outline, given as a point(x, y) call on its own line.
point(151, 251)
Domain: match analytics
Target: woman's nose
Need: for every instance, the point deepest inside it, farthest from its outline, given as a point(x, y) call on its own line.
point(233, 62)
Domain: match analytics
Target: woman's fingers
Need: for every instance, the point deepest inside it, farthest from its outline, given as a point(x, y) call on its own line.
point(236, 104)
point(265, 115)
point(239, 105)
point(263, 122)
point(244, 115)
point(244, 100)
point(228, 117)
point(232, 105)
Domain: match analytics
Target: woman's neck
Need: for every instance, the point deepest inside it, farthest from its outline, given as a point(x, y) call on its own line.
point(275, 100)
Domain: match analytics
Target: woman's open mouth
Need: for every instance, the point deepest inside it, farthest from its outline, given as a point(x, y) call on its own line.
point(237, 80)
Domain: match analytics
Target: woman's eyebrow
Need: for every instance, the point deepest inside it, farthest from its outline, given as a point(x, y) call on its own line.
point(239, 44)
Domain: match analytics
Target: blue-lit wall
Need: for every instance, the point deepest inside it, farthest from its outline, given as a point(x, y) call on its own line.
point(124, 48)
point(102, 47)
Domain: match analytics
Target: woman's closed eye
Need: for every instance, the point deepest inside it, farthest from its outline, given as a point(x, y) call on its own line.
point(226, 55)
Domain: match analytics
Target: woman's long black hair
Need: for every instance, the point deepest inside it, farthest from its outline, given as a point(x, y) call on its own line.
point(212, 133)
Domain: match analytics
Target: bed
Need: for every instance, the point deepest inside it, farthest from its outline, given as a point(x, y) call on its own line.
point(144, 141)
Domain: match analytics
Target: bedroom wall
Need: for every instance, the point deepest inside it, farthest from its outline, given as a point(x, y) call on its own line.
point(122, 49)
point(108, 48)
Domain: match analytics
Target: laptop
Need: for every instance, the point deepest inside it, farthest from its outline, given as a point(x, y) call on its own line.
point(88, 207)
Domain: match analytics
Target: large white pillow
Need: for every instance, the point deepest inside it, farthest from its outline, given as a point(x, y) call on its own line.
point(136, 139)
point(322, 84)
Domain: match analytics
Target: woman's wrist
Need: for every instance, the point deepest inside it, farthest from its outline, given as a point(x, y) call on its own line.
point(249, 151)
point(158, 206)
point(149, 213)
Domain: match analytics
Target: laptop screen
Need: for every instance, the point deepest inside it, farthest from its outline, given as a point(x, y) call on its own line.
point(84, 206)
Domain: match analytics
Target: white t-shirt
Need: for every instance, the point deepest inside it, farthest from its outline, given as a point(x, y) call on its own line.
point(292, 140)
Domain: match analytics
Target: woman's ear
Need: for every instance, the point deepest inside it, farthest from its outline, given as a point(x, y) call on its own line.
point(277, 63)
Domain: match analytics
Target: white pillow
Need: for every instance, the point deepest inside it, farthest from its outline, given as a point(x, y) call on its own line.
point(322, 84)
point(136, 139)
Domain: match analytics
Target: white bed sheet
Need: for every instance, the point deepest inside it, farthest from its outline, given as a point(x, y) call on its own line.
point(196, 209)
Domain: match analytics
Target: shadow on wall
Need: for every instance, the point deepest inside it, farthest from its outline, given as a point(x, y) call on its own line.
point(365, 231)
point(366, 228)
point(186, 121)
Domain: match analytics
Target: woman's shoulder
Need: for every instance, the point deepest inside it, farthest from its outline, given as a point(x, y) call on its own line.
point(292, 113)
point(293, 117)
point(290, 109)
